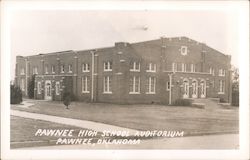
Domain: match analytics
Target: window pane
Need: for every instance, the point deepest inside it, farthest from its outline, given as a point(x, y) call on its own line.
point(110, 65)
point(147, 85)
point(109, 85)
point(131, 80)
point(137, 65)
point(137, 82)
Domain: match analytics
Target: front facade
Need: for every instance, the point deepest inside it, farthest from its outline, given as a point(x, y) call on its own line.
point(156, 71)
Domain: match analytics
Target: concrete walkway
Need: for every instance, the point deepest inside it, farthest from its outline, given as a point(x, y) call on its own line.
point(24, 104)
point(100, 127)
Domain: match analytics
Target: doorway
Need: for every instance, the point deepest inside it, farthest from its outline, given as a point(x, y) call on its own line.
point(47, 94)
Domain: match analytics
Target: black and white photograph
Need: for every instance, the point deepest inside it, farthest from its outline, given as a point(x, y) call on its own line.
point(110, 79)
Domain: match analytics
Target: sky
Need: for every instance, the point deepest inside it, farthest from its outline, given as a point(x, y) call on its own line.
point(44, 31)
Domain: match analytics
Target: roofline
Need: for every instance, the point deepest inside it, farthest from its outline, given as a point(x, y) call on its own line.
point(102, 48)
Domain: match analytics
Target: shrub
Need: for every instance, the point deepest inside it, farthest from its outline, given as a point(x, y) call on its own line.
point(15, 95)
point(182, 102)
point(31, 87)
point(222, 100)
point(67, 97)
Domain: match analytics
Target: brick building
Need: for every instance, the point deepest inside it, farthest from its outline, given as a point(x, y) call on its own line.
point(155, 71)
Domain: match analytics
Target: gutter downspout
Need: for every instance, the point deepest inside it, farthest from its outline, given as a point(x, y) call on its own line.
point(26, 78)
point(92, 75)
point(170, 89)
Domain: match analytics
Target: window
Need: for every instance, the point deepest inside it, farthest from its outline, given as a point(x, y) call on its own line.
point(108, 66)
point(107, 84)
point(62, 69)
point(222, 72)
point(212, 83)
point(211, 71)
point(46, 69)
point(52, 69)
point(150, 85)
point(183, 50)
point(85, 67)
point(168, 86)
point(134, 85)
point(193, 69)
point(221, 86)
point(22, 71)
point(70, 68)
point(39, 87)
point(135, 66)
point(57, 88)
point(151, 67)
point(35, 70)
point(174, 67)
point(22, 85)
point(183, 67)
point(85, 82)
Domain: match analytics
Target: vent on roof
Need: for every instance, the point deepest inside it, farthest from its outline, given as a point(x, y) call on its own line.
point(121, 44)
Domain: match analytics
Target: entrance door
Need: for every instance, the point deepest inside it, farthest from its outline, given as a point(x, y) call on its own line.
point(47, 94)
point(186, 89)
point(203, 89)
point(195, 89)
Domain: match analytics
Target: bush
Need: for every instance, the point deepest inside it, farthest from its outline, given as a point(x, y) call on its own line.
point(67, 97)
point(31, 87)
point(182, 102)
point(15, 95)
point(222, 100)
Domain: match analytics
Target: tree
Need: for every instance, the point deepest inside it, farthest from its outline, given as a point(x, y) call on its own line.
point(31, 87)
point(235, 86)
point(67, 99)
point(15, 95)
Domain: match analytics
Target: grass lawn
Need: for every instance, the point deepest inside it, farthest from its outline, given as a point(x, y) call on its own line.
point(146, 117)
point(22, 133)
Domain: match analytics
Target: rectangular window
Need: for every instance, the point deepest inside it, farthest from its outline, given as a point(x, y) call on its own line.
point(150, 85)
point(52, 69)
point(183, 67)
point(35, 70)
point(212, 83)
point(151, 67)
point(22, 85)
point(85, 67)
point(134, 85)
point(57, 88)
point(193, 68)
point(108, 66)
point(46, 69)
point(70, 68)
point(222, 72)
point(211, 71)
point(174, 67)
point(39, 87)
point(107, 84)
point(168, 86)
point(22, 71)
point(221, 86)
point(62, 69)
point(85, 82)
point(135, 66)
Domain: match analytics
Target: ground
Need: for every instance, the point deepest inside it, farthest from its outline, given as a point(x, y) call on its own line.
point(192, 121)
point(23, 132)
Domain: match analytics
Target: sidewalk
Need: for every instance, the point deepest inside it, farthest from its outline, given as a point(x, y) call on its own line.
point(100, 127)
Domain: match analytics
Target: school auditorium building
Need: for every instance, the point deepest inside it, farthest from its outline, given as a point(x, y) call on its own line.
point(155, 71)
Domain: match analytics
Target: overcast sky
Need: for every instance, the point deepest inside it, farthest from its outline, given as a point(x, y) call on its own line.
point(34, 32)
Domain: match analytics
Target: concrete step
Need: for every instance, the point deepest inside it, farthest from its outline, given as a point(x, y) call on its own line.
point(209, 103)
point(198, 105)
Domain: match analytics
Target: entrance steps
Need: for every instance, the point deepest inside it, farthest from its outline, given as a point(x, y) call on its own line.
point(206, 103)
